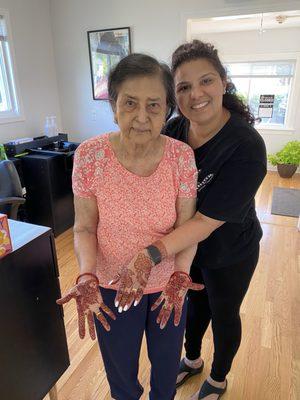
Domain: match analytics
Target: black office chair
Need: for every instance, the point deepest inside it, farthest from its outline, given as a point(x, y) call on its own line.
point(10, 189)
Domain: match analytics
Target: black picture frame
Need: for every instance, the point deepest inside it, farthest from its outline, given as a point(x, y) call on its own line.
point(106, 48)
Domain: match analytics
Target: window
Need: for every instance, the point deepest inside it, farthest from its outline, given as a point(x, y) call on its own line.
point(9, 106)
point(260, 78)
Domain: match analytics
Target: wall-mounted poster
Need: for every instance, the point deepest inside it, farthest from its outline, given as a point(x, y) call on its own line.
point(106, 48)
point(266, 105)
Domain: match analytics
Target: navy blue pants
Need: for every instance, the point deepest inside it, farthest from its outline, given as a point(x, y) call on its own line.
point(120, 349)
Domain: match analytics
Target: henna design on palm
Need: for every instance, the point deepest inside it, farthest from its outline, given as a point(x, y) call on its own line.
point(88, 301)
point(173, 297)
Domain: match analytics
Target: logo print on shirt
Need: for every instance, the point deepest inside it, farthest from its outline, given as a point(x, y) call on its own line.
point(205, 181)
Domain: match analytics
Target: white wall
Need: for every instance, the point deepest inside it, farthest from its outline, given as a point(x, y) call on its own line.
point(271, 42)
point(157, 28)
point(33, 48)
point(51, 82)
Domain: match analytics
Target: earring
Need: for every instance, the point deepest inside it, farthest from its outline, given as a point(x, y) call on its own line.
point(224, 92)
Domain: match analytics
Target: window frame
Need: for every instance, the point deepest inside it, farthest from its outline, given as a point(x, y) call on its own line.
point(17, 114)
point(289, 126)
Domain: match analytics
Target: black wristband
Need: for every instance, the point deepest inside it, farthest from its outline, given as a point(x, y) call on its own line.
point(154, 254)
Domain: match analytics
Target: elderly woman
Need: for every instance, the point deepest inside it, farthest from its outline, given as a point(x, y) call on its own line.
point(131, 188)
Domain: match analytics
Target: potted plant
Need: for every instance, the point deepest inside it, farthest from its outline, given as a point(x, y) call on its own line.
point(287, 160)
point(2, 153)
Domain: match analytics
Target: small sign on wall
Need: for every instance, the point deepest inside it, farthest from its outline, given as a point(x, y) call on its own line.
point(266, 105)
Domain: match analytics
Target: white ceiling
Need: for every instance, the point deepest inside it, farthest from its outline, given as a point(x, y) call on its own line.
point(290, 19)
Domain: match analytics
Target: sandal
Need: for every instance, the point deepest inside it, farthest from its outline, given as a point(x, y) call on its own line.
point(190, 372)
point(208, 389)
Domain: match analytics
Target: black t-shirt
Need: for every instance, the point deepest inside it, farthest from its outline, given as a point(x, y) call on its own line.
point(231, 167)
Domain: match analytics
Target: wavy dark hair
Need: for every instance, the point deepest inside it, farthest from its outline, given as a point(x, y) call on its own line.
point(137, 64)
point(197, 49)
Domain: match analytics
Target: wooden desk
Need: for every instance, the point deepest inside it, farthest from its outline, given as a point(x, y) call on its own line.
point(33, 346)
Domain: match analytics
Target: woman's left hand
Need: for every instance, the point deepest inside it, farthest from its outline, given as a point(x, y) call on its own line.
point(132, 281)
point(173, 297)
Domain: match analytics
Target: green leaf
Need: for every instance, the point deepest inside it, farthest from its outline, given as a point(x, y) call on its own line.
point(290, 154)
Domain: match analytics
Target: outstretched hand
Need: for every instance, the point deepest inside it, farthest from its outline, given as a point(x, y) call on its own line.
point(88, 300)
point(173, 297)
point(132, 281)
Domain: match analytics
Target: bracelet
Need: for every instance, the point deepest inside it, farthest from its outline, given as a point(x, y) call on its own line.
point(90, 274)
point(182, 273)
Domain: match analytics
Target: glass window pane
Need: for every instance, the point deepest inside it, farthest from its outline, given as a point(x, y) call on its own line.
point(9, 107)
point(242, 86)
point(270, 68)
point(238, 69)
point(4, 99)
point(273, 68)
point(279, 87)
point(285, 68)
point(253, 79)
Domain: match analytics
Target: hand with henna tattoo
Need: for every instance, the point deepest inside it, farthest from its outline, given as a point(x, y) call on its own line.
point(134, 278)
point(173, 297)
point(88, 300)
point(132, 281)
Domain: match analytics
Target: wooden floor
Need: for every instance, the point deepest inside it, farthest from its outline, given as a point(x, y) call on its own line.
point(267, 366)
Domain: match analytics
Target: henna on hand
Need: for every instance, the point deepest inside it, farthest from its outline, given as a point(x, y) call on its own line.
point(133, 279)
point(88, 301)
point(173, 297)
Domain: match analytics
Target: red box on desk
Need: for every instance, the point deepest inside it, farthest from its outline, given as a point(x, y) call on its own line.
point(5, 241)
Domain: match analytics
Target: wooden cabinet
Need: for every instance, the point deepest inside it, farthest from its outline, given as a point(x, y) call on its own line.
point(49, 197)
point(33, 346)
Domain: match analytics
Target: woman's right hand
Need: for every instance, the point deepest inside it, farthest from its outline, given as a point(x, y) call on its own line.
point(132, 281)
point(88, 300)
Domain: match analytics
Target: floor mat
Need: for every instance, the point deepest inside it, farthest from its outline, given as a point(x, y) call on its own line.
point(286, 202)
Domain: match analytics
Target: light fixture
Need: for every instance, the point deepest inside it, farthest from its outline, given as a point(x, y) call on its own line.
point(281, 19)
point(232, 17)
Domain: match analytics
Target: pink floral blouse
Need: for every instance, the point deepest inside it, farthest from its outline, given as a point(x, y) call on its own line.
point(134, 211)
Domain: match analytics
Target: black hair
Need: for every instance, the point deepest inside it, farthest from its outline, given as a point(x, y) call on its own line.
point(137, 64)
point(196, 50)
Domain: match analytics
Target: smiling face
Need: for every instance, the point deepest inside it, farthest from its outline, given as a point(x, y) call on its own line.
point(199, 91)
point(141, 108)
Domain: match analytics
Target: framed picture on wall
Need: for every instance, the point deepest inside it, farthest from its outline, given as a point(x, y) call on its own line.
point(106, 48)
